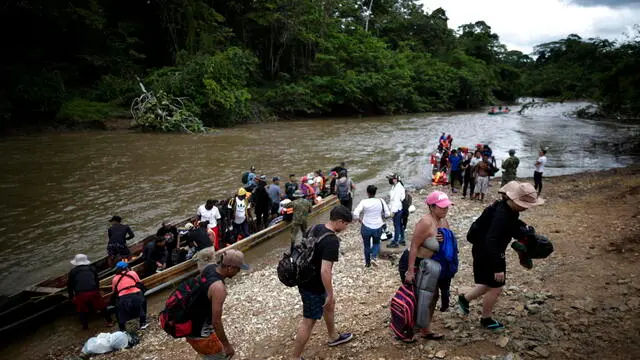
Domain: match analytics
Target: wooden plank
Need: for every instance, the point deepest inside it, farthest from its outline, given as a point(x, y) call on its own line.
point(45, 290)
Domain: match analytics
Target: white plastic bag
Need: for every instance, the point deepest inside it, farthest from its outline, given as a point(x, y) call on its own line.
point(106, 342)
point(98, 345)
point(119, 340)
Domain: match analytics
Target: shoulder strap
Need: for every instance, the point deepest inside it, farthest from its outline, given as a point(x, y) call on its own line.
point(128, 287)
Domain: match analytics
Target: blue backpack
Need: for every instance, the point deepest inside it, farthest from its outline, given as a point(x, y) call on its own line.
point(447, 256)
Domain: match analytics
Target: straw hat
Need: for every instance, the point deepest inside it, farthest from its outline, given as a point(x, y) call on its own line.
point(523, 194)
point(80, 259)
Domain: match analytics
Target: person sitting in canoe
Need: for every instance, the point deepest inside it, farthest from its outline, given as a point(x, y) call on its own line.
point(155, 256)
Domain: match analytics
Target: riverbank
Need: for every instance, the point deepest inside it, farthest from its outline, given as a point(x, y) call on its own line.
point(580, 303)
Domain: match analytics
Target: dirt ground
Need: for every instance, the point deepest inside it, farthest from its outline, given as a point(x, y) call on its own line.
point(582, 302)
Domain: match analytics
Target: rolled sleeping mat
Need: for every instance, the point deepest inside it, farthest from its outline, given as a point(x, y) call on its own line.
point(426, 286)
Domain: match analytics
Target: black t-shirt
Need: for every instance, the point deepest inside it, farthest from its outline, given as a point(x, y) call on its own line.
point(327, 249)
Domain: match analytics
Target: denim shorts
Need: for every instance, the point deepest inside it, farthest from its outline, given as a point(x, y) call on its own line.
point(312, 304)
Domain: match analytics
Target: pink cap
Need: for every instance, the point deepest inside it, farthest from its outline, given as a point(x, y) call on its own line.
point(439, 199)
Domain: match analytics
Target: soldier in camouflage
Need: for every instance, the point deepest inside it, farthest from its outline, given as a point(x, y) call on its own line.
point(301, 209)
point(510, 167)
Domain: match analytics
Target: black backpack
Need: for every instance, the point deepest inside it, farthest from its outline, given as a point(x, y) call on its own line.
point(407, 201)
point(245, 177)
point(480, 227)
point(541, 247)
point(342, 190)
point(295, 268)
point(180, 317)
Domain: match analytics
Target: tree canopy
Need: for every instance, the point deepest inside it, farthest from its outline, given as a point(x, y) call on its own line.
point(237, 60)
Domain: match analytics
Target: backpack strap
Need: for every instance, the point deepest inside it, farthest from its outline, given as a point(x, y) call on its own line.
point(128, 287)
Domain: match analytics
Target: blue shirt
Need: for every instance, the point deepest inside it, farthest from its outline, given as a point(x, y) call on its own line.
point(455, 162)
point(251, 178)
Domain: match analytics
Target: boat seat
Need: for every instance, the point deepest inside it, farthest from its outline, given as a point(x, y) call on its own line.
point(45, 289)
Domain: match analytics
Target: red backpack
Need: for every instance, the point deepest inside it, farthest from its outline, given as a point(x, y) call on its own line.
point(402, 308)
point(181, 316)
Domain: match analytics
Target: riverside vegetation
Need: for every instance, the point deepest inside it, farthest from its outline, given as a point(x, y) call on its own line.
point(228, 62)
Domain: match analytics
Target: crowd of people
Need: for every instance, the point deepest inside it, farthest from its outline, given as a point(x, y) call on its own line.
point(216, 224)
point(473, 169)
point(428, 263)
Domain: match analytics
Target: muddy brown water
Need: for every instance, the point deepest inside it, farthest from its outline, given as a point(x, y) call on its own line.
point(59, 190)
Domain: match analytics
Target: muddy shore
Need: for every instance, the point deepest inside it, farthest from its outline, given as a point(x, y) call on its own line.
point(580, 303)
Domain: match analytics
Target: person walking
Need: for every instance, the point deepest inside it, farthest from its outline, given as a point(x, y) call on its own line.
point(344, 188)
point(118, 235)
point(490, 235)
point(537, 174)
point(510, 167)
point(301, 208)
point(130, 303)
point(396, 196)
point(374, 211)
point(83, 287)
point(416, 264)
point(318, 297)
point(210, 340)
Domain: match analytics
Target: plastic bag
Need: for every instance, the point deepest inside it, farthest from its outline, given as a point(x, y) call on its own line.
point(98, 345)
point(119, 340)
point(106, 342)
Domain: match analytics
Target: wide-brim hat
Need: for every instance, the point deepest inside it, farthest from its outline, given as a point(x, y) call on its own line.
point(80, 259)
point(521, 193)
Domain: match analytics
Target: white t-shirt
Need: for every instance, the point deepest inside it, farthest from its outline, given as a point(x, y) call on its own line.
point(542, 160)
point(396, 195)
point(241, 211)
point(474, 161)
point(372, 212)
point(211, 216)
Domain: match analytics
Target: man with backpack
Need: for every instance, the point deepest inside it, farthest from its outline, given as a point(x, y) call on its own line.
point(318, 298)
point(344, 186)
point(490, 235)
point(194, 309)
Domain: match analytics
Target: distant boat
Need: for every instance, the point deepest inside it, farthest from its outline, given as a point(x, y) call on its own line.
point(501, 112)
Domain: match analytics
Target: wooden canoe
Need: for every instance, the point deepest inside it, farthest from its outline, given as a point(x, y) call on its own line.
point(177, 273)
point(39, 300)
point(46, 296)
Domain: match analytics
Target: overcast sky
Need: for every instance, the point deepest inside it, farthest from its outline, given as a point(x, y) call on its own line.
point(521, 24)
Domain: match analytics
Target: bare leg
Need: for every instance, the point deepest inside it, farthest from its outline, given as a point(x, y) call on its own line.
point(329, 320)
point(477, 291)
point(304, 332)
point(489, 301)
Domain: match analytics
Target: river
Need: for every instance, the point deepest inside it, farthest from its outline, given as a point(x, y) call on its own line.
point(59, 190)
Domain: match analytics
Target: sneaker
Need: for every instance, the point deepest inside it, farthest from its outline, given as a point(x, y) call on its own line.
point(392, 245)
point(374, 262)
point(463, 304)
point(491, 324)
point(343, 338)
point(144, 326)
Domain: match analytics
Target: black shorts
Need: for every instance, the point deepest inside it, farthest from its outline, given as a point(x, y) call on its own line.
point(482, 272)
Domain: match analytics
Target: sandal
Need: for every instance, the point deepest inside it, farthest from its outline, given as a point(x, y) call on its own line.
point(433, 336)
point(408, 341)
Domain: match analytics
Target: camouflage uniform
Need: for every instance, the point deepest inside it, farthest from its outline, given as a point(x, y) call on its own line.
point(301, 209)
point(510, 166)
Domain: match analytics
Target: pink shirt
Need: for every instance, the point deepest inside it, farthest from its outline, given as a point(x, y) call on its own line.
point(130, 279)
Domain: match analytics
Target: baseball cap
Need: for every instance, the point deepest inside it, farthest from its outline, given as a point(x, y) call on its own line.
point(439, 199)
point(234, 258)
